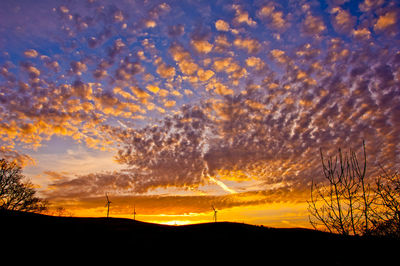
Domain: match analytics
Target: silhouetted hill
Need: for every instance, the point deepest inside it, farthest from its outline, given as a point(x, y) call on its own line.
point(233, 241)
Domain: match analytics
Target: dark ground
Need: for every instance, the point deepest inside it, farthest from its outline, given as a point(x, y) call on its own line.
point(112, 239)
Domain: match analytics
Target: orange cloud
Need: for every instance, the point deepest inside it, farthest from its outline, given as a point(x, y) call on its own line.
point(242, 16)
point(164, 70)
point(279, 56)
point(361, 33)
point(202, 46)
point(221, 89)
point(78, 67)
point(124, 94)
point(313, 25)
point(184, 59)
point(251, 45)
point(31, 53)
point(227, 65)
point(275, 19)
point(140, 93)
point(255, 62)
point(169, 103)
point(154, 89)
point(343, 22)
point(385, 21)
point(205, 75)
point(221, 25)
point(150, 23)
point(221, 44)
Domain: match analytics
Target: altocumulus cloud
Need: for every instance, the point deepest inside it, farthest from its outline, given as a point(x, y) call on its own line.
point(273, 134)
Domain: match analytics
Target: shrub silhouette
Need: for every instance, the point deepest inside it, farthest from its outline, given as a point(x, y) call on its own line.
point(348, 204)
point(386, 219)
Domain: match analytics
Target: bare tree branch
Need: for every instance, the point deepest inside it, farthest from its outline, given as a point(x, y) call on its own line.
point(342, 203)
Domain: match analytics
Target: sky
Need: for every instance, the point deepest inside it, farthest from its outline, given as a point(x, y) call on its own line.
point(171, 107)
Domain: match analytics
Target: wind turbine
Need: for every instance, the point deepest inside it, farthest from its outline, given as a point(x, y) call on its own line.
point(108, 205)
point(215, 213)
point(134, 212)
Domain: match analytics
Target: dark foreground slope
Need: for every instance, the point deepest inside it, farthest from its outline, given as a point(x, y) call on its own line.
point(195, 243)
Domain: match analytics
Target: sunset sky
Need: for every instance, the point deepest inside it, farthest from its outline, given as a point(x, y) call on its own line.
point(175, 106)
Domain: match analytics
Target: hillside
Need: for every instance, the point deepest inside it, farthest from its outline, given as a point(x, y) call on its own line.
point(227, 239)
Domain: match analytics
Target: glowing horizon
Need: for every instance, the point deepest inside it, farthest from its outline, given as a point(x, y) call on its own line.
point(274, 215)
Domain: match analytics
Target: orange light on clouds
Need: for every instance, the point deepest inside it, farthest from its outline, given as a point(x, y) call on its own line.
point(177, 106)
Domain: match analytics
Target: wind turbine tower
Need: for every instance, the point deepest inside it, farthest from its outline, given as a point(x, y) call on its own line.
point(108, 205)
point(134, 212)
point(215, 213)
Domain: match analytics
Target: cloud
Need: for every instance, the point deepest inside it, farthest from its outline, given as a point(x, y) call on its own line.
point(31, 53)
point(222, 25)
point(186, 64)
point(90, 184)
point(242, 16)
point(255, 62)
point(116, 48)
point(81, 90)
point(21, 159)
point(205, 75)
point(251, 45)
point(222, 89)
point(227, 65)
point(279, 56)
point(256, 134)
point(127, 70)
point(165, 71)
point(170, 103)
point(176, 30)
point(275, 19)
point(221, 44)
point(78, 67)
point(153, 88)
point(32, 71)
point(126, 95)
point(361, 33)
point(140, 93)
point(313, 25)
point(150, 23)
point(342, 21)
point(202, 46)
point(386, 21)
point(369, 5)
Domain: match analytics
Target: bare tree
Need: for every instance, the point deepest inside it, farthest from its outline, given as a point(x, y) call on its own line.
point(386, 219)
point(342, 204)
point(15, 194)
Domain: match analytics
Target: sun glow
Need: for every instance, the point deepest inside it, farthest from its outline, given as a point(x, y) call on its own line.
point(175, 222)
